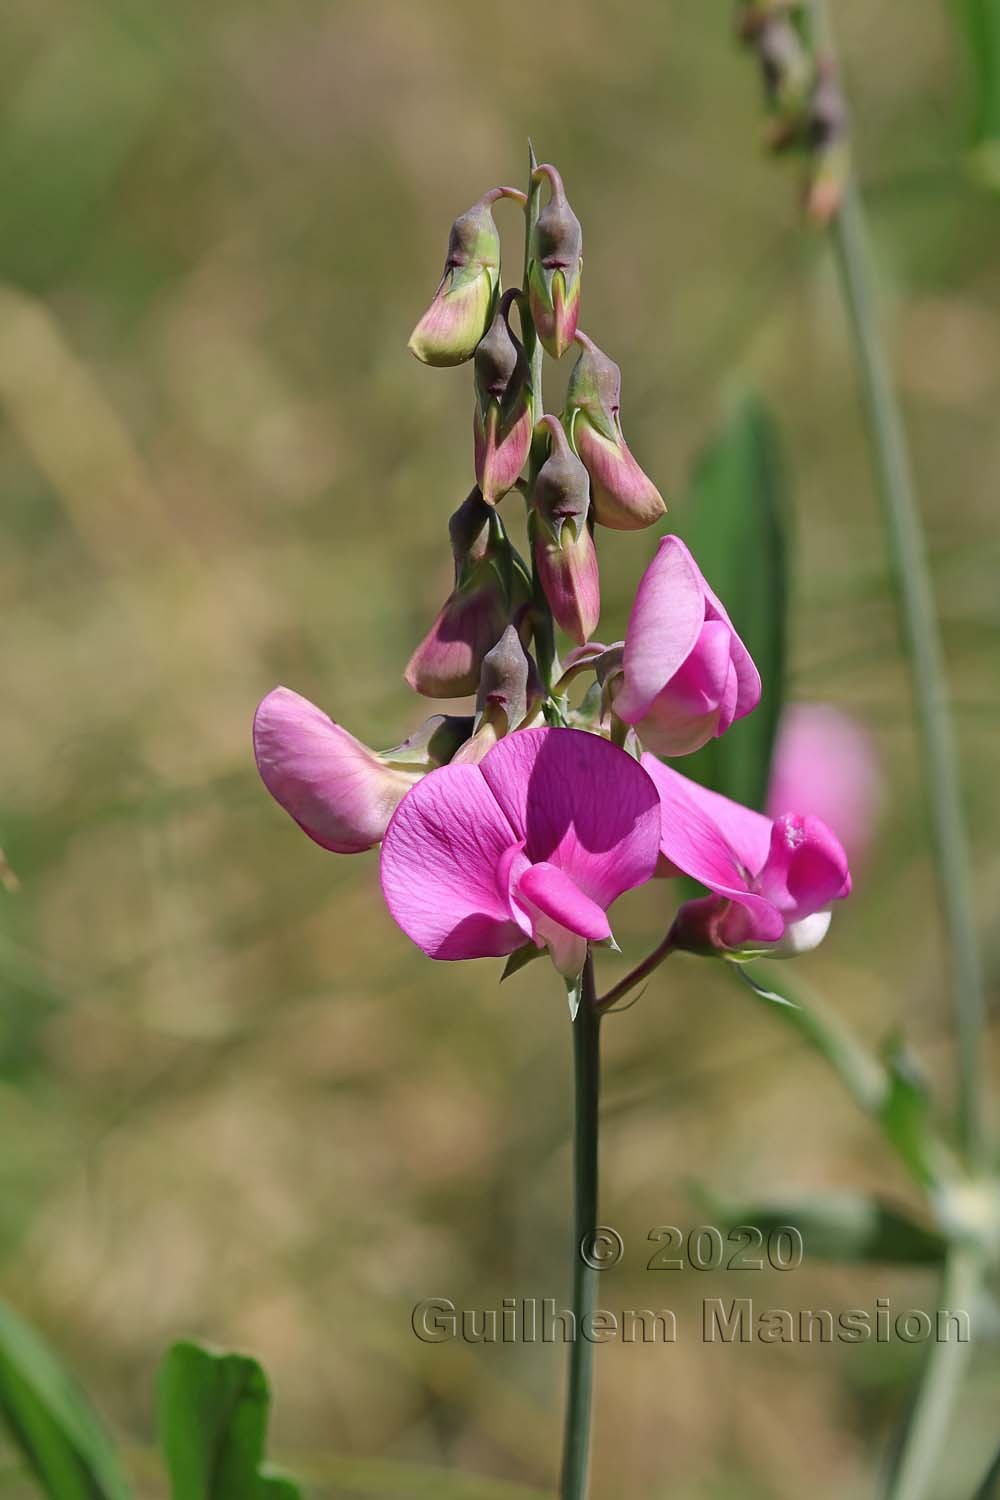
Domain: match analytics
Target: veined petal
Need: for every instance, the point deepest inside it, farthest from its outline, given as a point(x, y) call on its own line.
point(692, 839)
point(439, 867)
point(579, 803)
point(746, 833)
point(556, 895)
point(663, 628)
point(335, 788)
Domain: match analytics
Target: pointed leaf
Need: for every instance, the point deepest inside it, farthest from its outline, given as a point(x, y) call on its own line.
point(519, 959)
point(735, 522)
point(51, 1420)
point(213, 1411)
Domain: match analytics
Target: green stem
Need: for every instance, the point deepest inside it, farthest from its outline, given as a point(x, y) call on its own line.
point(918, 621)
point(927, 1428)
point(638, 974)
point(586, 1067)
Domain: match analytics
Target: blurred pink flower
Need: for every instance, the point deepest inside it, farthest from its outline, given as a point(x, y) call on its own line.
point(825, 764)
point(772, 881)
point(686, 675)
point(533, 844)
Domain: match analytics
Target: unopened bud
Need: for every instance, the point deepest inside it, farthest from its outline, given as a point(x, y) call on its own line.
point(492, 589)
point(509, 688)
point(502, 418)
point(555, 263)
point(460, 313)
point(564, 551)
point(624, 498)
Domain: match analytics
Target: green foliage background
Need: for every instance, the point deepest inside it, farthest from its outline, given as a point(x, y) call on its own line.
point(234, 1103)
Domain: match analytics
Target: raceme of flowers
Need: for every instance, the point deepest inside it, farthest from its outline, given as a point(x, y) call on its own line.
point(512, 827)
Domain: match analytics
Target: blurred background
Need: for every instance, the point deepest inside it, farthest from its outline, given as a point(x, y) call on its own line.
point(234, 1102)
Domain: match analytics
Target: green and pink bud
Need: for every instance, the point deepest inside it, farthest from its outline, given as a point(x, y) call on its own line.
point(463, 304)
point(555, 264)
point(509, 688)
point(624, 498)
point(491, 590)
point(501, 423)
point(561, 538)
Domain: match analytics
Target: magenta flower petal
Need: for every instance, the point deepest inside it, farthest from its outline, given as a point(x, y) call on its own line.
point(663, 628)
point(693, 840)
point(579, 803)
point(440, 862)
point(336, 789)
point(806, 867)
point(557, 895)
point(747, 834)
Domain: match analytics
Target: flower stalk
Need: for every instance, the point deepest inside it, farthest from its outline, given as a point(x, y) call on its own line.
point(586, 1095)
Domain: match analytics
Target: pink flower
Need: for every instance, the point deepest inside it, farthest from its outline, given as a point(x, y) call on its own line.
point(772, 881)
point(533, 844)
point(825, 764)
point(338, 791)
point(686, 674)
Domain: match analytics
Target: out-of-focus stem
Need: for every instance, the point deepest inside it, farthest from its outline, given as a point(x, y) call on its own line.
point(586, 1072)
point(918, 621)
point(913, 1471)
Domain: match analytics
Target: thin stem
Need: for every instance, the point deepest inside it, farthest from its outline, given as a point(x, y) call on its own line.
point(918, 621)
point(586, 1070)
point(915, 1463)
point(638, 974)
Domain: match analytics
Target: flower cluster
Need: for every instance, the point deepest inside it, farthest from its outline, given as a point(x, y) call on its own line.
point(511, 828)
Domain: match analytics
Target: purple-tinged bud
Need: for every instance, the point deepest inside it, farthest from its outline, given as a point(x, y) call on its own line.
point(460, 313)
point(623, 496)
point(555, 263)
point(501, 425)
point(509, 688)
point(564, 551)
point(492, 590)
point(341, 793)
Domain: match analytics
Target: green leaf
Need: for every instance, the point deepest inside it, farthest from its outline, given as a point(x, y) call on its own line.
point(52, 1421)
point(735, 522)
point(889, 1089)
point(906, 1110)
point(840, 1226)
point(982, 26)
point(213, 1411)
point(519, 959)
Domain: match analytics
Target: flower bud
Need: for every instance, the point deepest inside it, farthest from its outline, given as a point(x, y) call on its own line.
point(555, 261)
point(686, 675)
point(509, 687)
point(502, 417)
point(623, 497)
point(341, 793)
point(491, 590)
point(460, 313)
point(564, 551)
